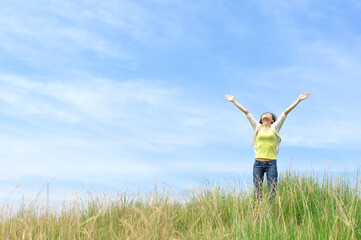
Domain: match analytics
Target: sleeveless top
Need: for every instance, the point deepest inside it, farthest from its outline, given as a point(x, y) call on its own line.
point(276, 127)
point(266, 142)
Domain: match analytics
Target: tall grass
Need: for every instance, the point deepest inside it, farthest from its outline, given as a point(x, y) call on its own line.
point(303, 208)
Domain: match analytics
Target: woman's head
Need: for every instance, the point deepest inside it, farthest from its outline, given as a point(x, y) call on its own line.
point(268, 116)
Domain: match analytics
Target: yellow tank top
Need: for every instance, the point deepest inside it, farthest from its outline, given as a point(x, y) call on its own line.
point(266, 144)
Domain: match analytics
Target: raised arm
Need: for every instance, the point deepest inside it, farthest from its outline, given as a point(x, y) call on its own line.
point(231, 99)
point(250, 118)
point(303, 96)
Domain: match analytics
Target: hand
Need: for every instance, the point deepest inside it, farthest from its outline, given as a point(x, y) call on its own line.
point(303, 96)
point(230, 98)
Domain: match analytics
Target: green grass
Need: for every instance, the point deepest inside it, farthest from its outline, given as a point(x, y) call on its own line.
point(302, 209)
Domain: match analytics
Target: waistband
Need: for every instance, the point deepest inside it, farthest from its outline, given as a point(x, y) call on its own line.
point(266, 160)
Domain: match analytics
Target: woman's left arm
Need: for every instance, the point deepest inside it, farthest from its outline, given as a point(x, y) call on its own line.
point(303, 96)
point(278, 124)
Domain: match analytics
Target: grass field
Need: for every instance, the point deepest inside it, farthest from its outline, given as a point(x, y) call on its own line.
point(304, 208)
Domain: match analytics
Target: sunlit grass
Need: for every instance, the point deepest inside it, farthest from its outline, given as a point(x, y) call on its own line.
point(303, 209)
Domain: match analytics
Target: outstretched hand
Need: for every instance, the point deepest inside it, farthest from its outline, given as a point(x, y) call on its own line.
point(303, 96)
point(230, 98)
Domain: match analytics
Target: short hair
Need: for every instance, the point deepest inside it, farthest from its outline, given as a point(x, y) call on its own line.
point(274, 117)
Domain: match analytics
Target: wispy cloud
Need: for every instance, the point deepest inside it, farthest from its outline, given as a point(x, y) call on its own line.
point(79, 123)
point(51, 32)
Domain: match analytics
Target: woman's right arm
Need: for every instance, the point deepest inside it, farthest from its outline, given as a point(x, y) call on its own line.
point(250, 118)
point(231, 99)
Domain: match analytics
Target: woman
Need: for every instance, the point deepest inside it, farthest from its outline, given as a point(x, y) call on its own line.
point(266, 142)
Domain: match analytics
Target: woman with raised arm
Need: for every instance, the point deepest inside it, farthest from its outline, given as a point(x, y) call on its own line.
point(266, 142)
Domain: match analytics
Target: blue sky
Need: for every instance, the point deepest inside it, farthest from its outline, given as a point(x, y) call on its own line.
point(115, 95)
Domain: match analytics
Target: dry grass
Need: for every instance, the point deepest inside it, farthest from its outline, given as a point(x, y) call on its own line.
point(303, 209)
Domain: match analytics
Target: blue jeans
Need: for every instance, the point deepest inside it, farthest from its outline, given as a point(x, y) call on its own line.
point(259, 169)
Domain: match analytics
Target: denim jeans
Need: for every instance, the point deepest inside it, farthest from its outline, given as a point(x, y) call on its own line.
point(259, 169)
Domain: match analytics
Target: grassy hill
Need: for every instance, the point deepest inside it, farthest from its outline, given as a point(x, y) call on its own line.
point(304, 208)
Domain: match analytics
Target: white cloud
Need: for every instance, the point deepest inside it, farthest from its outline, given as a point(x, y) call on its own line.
point(50, 32)
point(95, 98)
point(101, 126)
